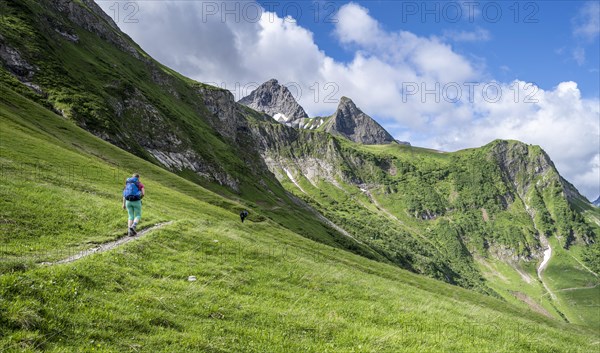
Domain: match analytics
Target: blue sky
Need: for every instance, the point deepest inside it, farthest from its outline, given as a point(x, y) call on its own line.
point(531, 41)
point(525, 70)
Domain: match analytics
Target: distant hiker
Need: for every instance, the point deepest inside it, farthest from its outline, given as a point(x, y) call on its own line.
point(132, 201)
point(243, 215)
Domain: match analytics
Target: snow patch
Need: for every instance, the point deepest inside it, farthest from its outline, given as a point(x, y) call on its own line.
point(547, 254)
point(280, 117)
point(291, 177)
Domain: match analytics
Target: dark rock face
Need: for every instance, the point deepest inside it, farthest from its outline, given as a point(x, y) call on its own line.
point(90, 16)
point(349, 121)
point(520, 166)
point(14, 62)
point(275, 100)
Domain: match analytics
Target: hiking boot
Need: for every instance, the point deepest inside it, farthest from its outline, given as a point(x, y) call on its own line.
point(132, 232)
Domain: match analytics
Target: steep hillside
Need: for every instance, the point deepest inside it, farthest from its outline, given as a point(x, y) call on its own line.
point(259, 286)
point(479, 218)
point(71, 58)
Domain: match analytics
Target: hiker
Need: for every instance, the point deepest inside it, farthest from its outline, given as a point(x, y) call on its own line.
point(132, 201)
point(243, 215)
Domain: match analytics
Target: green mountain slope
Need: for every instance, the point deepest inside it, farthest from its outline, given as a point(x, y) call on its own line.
point(479, 218)
point(76, 62)
point(260, 287)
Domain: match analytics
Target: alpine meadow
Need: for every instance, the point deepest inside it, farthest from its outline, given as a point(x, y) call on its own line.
point(354, 241)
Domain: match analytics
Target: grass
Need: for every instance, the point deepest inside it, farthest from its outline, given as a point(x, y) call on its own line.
point(276, 292)
point(261, 287)
point(569, 281)
point(156, 104)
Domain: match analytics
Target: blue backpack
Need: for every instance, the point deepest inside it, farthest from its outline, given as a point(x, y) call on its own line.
point(132, 191)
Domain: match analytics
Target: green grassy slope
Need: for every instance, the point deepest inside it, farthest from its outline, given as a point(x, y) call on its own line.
point(260, 287)
point(132, 101)
point(459, 217)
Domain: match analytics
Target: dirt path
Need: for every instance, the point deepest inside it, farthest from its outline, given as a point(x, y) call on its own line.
point(524, 276)
point(584, 266)
point(106, 246)
point(577, 288)
point(378, 206)
point(532, 304)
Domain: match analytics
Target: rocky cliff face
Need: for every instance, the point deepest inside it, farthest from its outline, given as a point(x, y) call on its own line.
point(350, 122)
point(277, 101)
point(547, 197)
point(89, 15)
point(526, 166)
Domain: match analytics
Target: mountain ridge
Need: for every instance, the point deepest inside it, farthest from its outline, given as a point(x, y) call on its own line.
point(348, 121)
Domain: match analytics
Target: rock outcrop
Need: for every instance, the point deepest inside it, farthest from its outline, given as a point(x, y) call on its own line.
point(15, 63)
point(277, 101)
point(89, 15)
point(524, 165)
point(350, 122)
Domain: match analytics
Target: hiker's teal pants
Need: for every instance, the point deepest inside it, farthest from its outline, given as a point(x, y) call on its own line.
point(134, 209)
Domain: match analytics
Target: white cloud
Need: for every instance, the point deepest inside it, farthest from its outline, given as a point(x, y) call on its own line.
point(181, 35)
point(587, 22)
point(566, 125)
point(355, 25)
point(579, 55)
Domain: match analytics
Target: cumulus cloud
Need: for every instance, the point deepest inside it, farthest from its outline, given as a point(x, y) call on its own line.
point(561, 121)
point(587, 22)
point(419, 88)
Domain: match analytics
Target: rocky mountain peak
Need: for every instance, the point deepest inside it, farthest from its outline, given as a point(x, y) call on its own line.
point(275, 100)
point(525, 165)
point(597, 202)
point(351, 122)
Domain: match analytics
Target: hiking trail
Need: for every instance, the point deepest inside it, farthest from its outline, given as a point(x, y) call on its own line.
point(106, 246)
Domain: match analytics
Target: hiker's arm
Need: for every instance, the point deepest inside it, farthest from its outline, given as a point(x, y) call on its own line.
point(123, 203)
